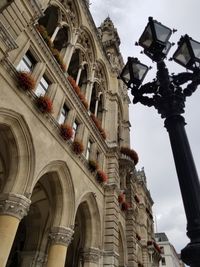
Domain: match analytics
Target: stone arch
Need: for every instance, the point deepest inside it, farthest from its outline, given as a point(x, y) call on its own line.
point(65, 189)
point(87, 230)
point(101, 75)
point(122, 247)
point(17, 152)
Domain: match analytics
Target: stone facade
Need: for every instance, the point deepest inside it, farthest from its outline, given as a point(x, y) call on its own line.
point(70, 194)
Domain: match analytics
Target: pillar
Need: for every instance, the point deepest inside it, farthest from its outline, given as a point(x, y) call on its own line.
point(13, 207)
point(79, 74)
point(90, 257)
point(55, 33)
point(60, 238)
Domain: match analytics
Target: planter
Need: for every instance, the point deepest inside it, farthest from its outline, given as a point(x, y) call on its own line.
point(25, 80)
point(44, 104)
point(101, 177)
point(130, 153)
point(66, 131)
point(78, 147)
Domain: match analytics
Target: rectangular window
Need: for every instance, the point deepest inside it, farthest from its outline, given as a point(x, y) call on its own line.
point(163, 261)
point(88, 150)
point(27, 63)
point(42, 86)
point(63, 115)
point(75, 129)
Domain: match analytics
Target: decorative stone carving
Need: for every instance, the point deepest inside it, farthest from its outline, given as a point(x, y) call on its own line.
point(91, 255)
point(6, 38)
point(61, 235)
point(14, 205)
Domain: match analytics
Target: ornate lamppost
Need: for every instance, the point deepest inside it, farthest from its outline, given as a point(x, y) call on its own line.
point(168, 97)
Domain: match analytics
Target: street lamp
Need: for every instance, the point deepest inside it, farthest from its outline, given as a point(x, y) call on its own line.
point(168, 97)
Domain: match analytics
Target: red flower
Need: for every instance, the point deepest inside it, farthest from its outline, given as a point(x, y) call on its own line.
point(121, 198)
point(78, 147)
point(98, 125)
point(130, 153)
point(124, 206)
point(44, 103)
point(66, 131)
point(101, 176)
point(25, 80)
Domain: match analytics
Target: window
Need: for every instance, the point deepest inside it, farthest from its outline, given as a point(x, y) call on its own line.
point(27, 63)
point(63, 115)
point(88, 150)
point(75, 129)
point(163, 261)
point(42, 87)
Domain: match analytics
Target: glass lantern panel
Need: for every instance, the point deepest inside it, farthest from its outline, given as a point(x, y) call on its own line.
point(196, 48)
point(162, 33)
point(183, 55)
point(146, 39)
point(126, 74)
point(139, 71)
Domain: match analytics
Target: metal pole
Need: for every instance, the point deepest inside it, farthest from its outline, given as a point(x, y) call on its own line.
point(189, 185)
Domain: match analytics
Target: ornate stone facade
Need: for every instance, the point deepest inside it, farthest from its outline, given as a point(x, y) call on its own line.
point(70, 194)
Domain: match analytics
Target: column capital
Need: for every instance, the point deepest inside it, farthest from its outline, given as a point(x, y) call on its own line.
point(91, 255)
point(61, 235)
point(14, 205)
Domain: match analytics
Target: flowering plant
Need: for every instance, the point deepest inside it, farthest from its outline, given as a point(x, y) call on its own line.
point(130, 153)
point(121, 198)
point(98, 125)
point(25, 80)
point(66, 131)
point(78, 147)
point(93, 165)
point(124, 206)
point(45, 104)
point(101, 176)
point(42, 30)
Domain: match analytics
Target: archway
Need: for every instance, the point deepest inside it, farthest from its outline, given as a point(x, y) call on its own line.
point(31, 241)
point(50, 19)
point(87, 232)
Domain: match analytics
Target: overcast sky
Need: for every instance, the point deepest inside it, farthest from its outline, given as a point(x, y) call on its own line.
point(148, 136)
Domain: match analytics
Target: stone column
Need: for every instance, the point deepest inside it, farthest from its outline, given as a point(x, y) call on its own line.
point(71, 47)
point(60, 239)
point(90, 257)
point(55, 33)
point(13, 208)
point(79, 74)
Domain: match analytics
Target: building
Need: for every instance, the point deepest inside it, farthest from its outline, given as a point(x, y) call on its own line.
point(170, 258)
point(69, 191)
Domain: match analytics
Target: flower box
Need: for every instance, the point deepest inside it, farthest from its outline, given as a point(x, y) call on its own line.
point(101, 177)
point(130, 153)
point(25, 80)
point(93, 166)
point(77, 147)
point(45, 104)
point(66, 131)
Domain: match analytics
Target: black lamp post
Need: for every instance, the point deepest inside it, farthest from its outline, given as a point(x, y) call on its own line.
point(168, 97)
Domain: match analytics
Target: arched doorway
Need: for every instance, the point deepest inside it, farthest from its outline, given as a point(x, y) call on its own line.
point(87, 232)
point(31, 241)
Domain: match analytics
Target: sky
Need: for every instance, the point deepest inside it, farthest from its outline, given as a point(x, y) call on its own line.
point(148, 135)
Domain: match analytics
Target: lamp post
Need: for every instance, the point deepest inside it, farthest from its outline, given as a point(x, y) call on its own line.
point(168, 97)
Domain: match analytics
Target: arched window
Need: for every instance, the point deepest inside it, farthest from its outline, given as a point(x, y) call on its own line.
point(83, 79)
point(94, 98)
point(50, 19)
point(74, 64)
point(61, 39)
point(100, 108)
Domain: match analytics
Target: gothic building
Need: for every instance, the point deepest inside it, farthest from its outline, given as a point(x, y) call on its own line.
point(70, 195)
